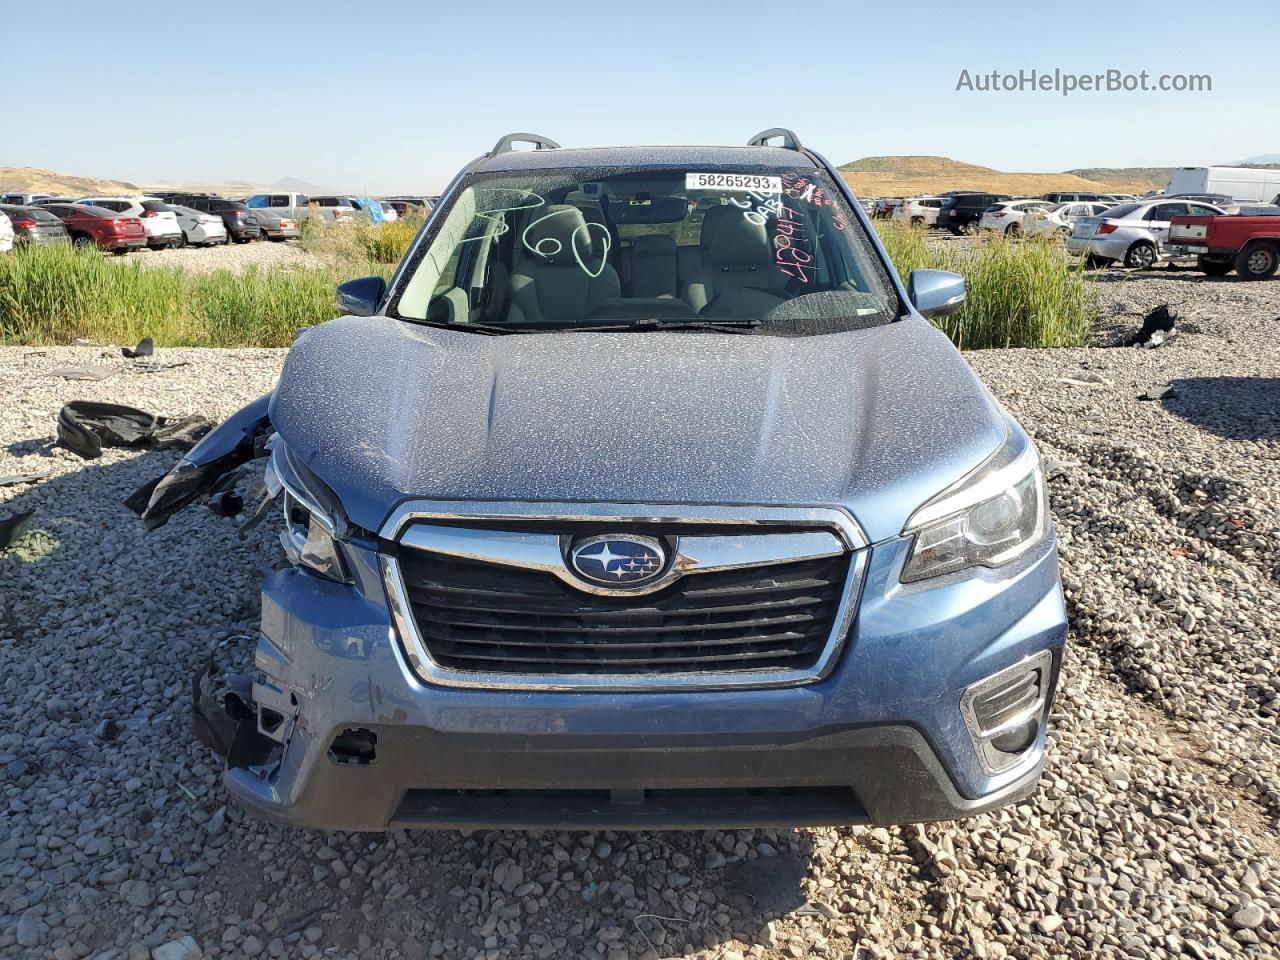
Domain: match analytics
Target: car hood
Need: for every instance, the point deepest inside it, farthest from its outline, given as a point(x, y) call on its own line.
point(874, 420)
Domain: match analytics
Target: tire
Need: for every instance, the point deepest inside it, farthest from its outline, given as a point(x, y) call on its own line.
point(226, 238)
point(179, 242)
point(1213, 268)
point(1141, 256)
point(1013, 230)
point(1258, 261)
point(917, 221)
point(82, 241)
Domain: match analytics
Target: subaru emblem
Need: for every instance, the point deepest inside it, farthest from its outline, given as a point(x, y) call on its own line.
point(618, 559)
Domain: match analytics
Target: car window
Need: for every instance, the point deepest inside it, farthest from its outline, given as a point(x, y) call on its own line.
point(1166, 211)
point(158, 206)
point(1200, 211)
point(549, 250)
point(279, 200)
point(257, 200)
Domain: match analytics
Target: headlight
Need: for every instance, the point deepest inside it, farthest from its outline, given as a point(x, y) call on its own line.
point(309, 537)
point(990, 517)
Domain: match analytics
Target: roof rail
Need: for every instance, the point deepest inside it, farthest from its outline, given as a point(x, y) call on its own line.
point(789, 140)
point(507, 143)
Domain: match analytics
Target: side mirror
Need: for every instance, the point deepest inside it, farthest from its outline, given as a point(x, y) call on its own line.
point(935, 293)
point(361, 297)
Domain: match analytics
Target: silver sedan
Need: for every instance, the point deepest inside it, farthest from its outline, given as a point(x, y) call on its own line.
point(1133, 233)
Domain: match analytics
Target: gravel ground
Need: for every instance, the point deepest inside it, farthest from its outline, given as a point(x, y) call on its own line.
point(1153, 834)
point(265, 254)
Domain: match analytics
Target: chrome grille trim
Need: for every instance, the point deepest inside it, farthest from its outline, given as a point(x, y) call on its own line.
point(418, 662)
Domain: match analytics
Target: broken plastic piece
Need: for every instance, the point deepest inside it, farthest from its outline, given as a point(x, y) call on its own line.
point(1157, 328)
point(238, 439)
point(12, 528)
point(146, 346)
point(86, 426)
point(97, 372)
point(14, 479)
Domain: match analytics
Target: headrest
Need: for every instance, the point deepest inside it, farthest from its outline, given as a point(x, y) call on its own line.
point(552, 233)
point(739, 243)
point(654, 245)
point(711, 222)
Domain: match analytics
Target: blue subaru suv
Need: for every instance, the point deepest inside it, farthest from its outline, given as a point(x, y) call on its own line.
point(643, 495)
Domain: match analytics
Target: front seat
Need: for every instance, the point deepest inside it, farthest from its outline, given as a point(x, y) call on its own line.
point(739, 259)
point(564, 272)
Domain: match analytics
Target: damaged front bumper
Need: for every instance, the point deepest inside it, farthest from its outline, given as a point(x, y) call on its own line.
point(333, 730)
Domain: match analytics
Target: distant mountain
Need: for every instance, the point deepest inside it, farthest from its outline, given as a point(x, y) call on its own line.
point(1157, 177)
point(294, 185)
point(1262, 160)
point(914, 166)
point(35, 180)
point(922, 175)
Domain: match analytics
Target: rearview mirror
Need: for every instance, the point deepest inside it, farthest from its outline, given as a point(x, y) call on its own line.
point(361, 297)
point(935, 293)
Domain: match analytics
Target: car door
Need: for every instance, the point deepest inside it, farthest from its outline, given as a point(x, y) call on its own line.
point(1158, 218)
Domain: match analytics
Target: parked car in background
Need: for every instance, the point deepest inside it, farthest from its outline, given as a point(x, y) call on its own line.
point(1069, 197)
point(389, 212)
point(199, 229)
point(961, 213)
point(23, 199)
point(919, 211)
point(291, 206)
point(333, 209)
point(275, 227)
point(1247, 242)
point(242, 223)
point(1219, 200)
point(158, 218)
point(88, 226)
point(1007, 216)
point(1132, 233)
point(885, 206)
point(1241, 184)
point(1061, 217)
point(406, 208)
point(6, 233)
point(35, 225)
point(43, 201)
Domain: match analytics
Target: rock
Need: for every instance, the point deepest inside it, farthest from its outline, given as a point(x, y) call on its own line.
point(1049, 924)
point(28, 930)
point(1249, 916)
point(184, 948)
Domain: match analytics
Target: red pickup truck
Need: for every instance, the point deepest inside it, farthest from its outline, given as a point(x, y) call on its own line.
point(1247, 242)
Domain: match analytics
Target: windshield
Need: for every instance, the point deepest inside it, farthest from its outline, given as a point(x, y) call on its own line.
point(779, 252)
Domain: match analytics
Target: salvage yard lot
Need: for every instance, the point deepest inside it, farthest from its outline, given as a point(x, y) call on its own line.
point(1154, 832)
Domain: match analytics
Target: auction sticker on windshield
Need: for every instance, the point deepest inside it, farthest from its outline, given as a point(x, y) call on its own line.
point(732, 181)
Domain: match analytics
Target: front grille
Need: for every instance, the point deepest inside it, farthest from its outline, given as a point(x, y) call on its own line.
point(476, 616)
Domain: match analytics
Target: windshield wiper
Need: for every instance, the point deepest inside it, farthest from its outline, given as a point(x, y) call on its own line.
point(485, 329)
point(721, 326)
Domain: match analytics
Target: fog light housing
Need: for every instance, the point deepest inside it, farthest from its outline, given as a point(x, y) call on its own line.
point(1003, 712)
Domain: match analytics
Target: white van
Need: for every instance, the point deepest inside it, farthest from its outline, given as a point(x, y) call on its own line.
point(1240, 183)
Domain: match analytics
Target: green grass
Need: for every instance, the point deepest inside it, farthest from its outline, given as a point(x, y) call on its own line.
point(1024, 293)
point(52, 295)
point(1019, 293)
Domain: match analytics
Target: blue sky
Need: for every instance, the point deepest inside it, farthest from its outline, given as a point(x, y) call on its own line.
point(397, 97)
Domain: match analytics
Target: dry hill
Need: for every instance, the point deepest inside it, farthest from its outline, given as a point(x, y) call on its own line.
point(35, 180)
point(919, 176)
